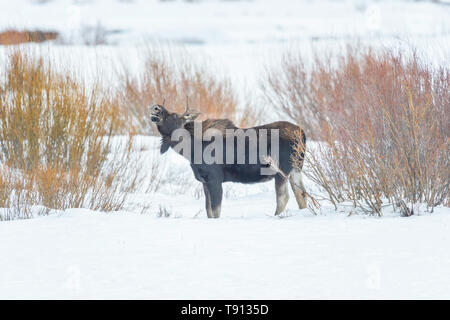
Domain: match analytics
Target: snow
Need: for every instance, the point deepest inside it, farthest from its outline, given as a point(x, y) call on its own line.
point(239, 37)
point(215, 21)
point(248, 253)
point(82, 254)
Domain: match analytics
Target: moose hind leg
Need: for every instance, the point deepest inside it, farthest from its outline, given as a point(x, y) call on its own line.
point(282, 194)
point(207, 201)
point(297, 186)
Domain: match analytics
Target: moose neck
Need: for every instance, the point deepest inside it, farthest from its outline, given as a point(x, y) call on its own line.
point(166, 139)
point(167, 142)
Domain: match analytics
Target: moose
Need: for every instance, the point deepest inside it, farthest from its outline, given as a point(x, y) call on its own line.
point(212, 175)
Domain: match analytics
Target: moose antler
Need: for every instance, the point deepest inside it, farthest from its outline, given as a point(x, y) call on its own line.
point(189, 114)
point(187, 104)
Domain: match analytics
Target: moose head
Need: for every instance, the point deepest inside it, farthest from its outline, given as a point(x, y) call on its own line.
point(167, 122)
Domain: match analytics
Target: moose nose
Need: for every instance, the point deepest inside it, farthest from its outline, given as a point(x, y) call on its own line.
point(155, 109)
point(155, 115)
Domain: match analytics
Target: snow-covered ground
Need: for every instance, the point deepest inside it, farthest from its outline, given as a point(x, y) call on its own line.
point(222, 21)
point(247, 253)
point(239, 37)
point(82, 254)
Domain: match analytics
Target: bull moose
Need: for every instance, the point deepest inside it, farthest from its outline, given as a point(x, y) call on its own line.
point(212, 175)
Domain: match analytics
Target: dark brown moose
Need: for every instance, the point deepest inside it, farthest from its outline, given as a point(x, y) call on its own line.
point(212, 175)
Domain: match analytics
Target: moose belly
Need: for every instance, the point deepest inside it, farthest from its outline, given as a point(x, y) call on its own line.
point(245, 173)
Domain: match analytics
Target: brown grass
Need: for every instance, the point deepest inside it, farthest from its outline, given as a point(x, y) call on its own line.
point(56, 141)
point(12, 37)
point(383, 119)
point(178, 79)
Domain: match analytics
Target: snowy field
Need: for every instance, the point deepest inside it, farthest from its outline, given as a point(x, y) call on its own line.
point(248, 253)
point(82, 254)
point(238, 38)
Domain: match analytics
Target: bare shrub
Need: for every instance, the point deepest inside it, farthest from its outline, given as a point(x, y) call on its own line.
point(382, 119)
point(178, 79)
point(163, 212)
point(86, 34)
point(93, 35)
point(16, 195)
point(57, 147)
point(12, 36)
point(156, 171)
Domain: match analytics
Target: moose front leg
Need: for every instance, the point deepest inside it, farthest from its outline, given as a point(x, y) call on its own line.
point(215, 193)
point(207, 201)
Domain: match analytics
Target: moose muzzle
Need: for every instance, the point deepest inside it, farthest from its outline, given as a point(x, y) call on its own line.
point(155, 113)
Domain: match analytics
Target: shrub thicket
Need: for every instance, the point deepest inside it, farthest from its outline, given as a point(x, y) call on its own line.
point(57, 148)
point(383, 121)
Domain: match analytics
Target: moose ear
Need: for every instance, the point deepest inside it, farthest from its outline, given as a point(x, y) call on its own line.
point(191, 115)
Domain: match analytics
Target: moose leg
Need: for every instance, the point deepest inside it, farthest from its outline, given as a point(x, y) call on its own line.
point(215, 192)
point(207, 201)
point(282, 194)
point(296, 181)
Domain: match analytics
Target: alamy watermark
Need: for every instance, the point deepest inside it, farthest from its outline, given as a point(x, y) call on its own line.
point(228, 146)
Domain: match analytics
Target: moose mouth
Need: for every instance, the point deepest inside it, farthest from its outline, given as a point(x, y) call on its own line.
point(155, 118)
point(155, 113)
